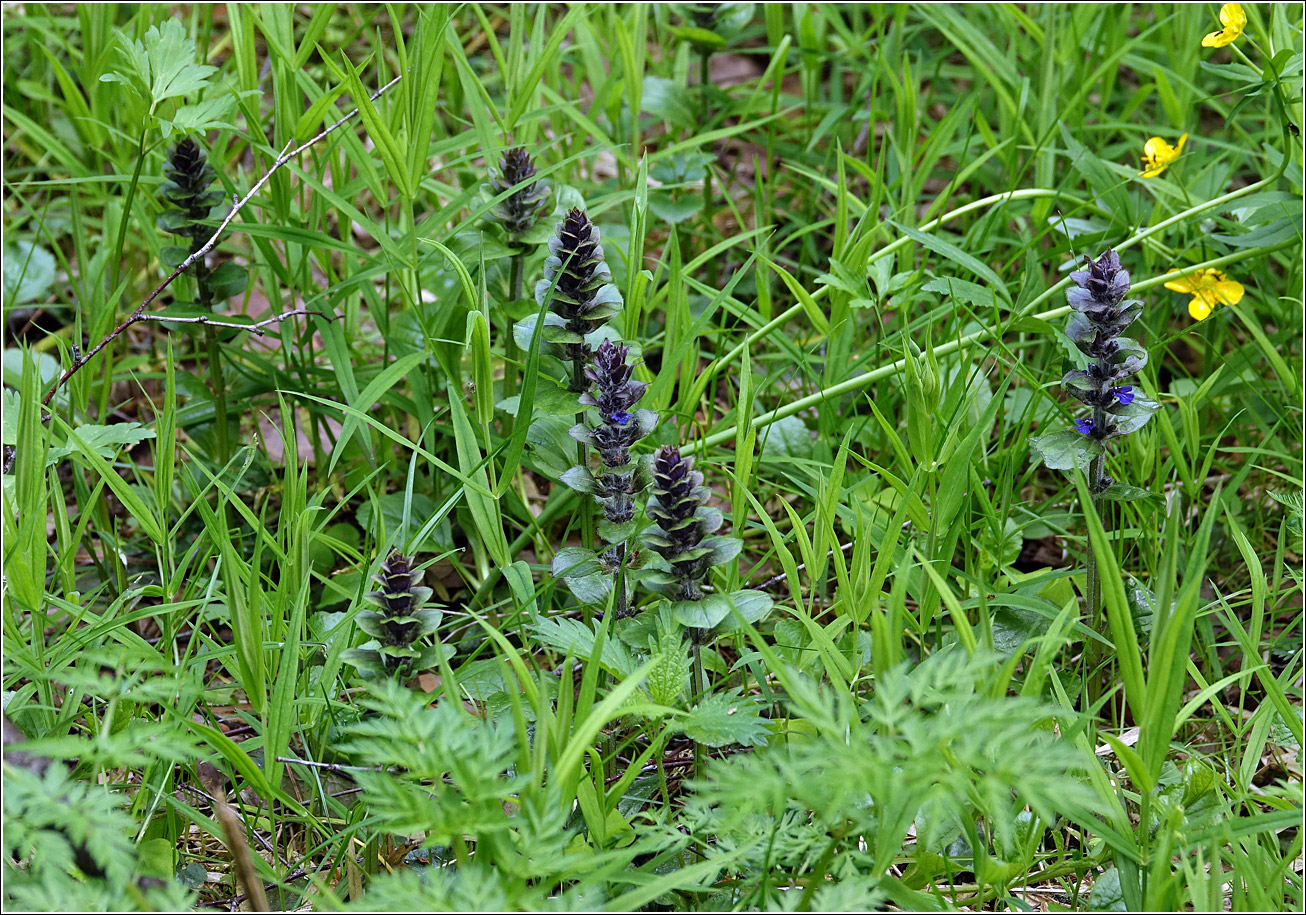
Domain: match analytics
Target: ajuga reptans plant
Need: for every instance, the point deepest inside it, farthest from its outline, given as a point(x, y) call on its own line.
point(578, 286)
point(611, 428)
point(399, 626)
point(189, 177)
point(186, 190)
point(521, 215)
point(522, 209)
point(686, 549)
point(1101, 313)
point(683, 539)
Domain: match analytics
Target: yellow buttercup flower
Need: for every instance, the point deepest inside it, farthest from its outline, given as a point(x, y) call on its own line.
point(1234, 21)
point(1157, 154)
point(1208, 288)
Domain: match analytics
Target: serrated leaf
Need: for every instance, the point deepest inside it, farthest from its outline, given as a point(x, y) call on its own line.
point(162, 66)
point(569, 636)
point(726, 718)
point(669, 675)
point(105, 441)
point(211, 113)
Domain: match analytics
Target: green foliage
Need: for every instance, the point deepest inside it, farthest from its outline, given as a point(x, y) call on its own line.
point(933, 747)
point(67, 845)
point(836, 240)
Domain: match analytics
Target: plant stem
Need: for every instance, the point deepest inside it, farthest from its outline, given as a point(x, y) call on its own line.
point(217, 379)
point(219, 384)
point(511, 354)
point(1094, 655)
point(623, 610)
point(582, 458)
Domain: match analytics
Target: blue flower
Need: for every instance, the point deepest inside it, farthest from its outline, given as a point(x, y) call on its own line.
point(621, 417)
point(1084, 425)
point(1124, 393)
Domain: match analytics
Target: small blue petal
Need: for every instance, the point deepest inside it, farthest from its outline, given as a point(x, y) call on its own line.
point(621, 418)
point(1124, 393)
point(1084, 425)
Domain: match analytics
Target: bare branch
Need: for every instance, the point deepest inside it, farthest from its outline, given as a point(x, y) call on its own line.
point(255, 328)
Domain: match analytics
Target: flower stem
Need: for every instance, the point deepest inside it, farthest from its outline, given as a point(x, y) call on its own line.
point(1093, 655)
point(219, 383)
point(582, 458)
point(623, 609)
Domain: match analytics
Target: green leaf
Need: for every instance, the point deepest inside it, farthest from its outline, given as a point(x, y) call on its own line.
point(670, 101)
point(1271, 234)
point(28, 273)
point(388, 378)
point(163, 65)
point(674, 208)
point(789, 437)
point(484, 505)
point(726, 718)
point(669, 676)
point(173, 256)
point(211, 113)
point(1134, 415)
point(230, 279)
point(104, 440)
point(571, 637)
point(1123, 492)
point(1106, 895)
point(1065, 450)
point(581, 570)
point(701, 39)
point(957, 256)
point(971, 293)
point(1103, 182)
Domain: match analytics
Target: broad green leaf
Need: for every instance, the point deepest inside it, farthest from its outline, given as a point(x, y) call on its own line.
point(28, 273)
